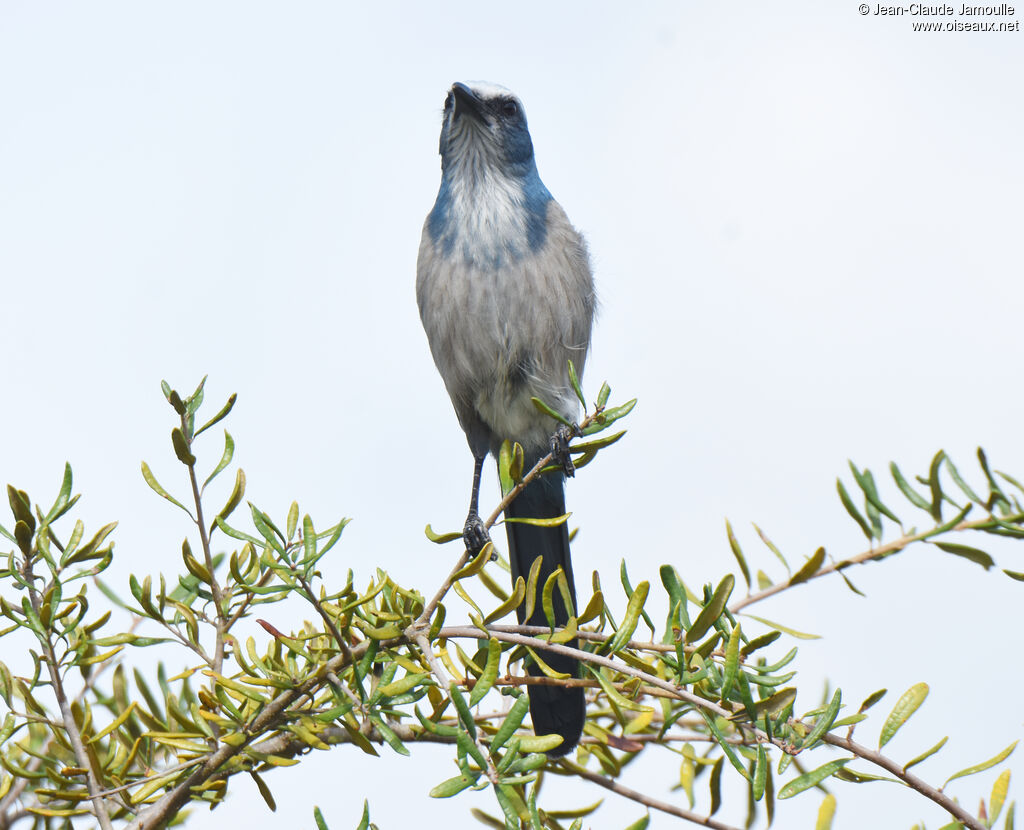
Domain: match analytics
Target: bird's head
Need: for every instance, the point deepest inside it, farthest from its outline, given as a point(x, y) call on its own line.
point(485, 128)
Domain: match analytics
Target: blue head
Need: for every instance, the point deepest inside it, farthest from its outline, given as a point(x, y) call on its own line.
point(492, 205)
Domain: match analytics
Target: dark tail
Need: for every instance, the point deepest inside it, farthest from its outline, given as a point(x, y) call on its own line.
point(553, 710)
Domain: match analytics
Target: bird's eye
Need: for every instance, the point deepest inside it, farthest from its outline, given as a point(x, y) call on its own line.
point(448, 102)
point(509, 108)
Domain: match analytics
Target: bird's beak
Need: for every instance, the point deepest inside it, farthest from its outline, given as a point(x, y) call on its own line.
point(467, 102)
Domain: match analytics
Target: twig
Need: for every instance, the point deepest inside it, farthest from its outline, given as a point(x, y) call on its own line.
point(867, 556)
point(268, 717)
point(99, 809)
point(472, 632)
point(442, 677)
point(218, 597)
point(911, 780)
point(593, 637)
point(640, 798)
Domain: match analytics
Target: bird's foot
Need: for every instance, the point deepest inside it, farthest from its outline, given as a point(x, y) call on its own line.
point(474, 534)
point(560, 448)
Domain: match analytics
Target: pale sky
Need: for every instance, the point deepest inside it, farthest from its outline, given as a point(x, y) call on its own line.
point(805, 225)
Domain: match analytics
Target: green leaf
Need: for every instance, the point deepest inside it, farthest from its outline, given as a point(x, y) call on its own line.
point(872, 699)
point(554, 521)
point(225, 459)
point(713, 610)
point(462, 708)
point(629, 623)
point(732, 661)
point(984, 765)
point(812, 778)
point(609, 416)
point(760, 773)
point(967, 552)
point(1014, 575)
point(612, 693)
point(155, 486)
point(724, 744)
point(321, 824)
point(261, 785)
point(237, 492)
point(596, 444)
point(824, 721)
point(866, 482)
point(935, 508)
point(63, 497)
point(771, 546)
point(737, 551)
point(641, 824)
point(513, 720)
point(490, 673)
point(453, 786)
point(998, 797)
point(851, 508)
point(963, 485)
point(575, 381)
point(792, 632)
point(547, 410)
point(928, 753)
point(181, 448)
point(809, 568)
point(912, 495)
point(901, 712)
point(716, 786)
point(364, 822)
point(441, 538)
point(826, 812)
point(220, 416)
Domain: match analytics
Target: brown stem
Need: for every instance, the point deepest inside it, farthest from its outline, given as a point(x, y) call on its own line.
point(646, 800)
point(99, 809)
point(867, 556)
point(911, 780)
point(218, 597)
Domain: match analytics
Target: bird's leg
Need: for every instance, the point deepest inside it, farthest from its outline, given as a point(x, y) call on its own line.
point(474, 534)
point(560, 448)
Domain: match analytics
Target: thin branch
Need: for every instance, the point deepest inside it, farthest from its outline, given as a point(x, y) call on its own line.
point(99, 809)
point(640, 798)
point(894, 546)
point(472, 632)
point(594, 637)
point(442, 677)
point(911, 780)
point(269, 716)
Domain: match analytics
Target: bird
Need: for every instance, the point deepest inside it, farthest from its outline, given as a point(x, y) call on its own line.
point(506, 296)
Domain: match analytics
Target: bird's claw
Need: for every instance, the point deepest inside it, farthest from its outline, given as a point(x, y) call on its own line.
point(560, 448)
point(475, 535)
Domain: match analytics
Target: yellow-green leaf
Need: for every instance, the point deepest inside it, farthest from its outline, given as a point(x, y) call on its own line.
point(928, 753)
point(984, 765)
point(826, 812)
point(812, 778)
point(901, 712)
point(809, 568)
point(998, 797)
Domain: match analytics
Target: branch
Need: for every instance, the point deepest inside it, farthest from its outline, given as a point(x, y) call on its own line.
point(272, 714)
point(867, 556)
point(647, 801)
point(912, 781)
point(99, 809)
point(218, 597)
